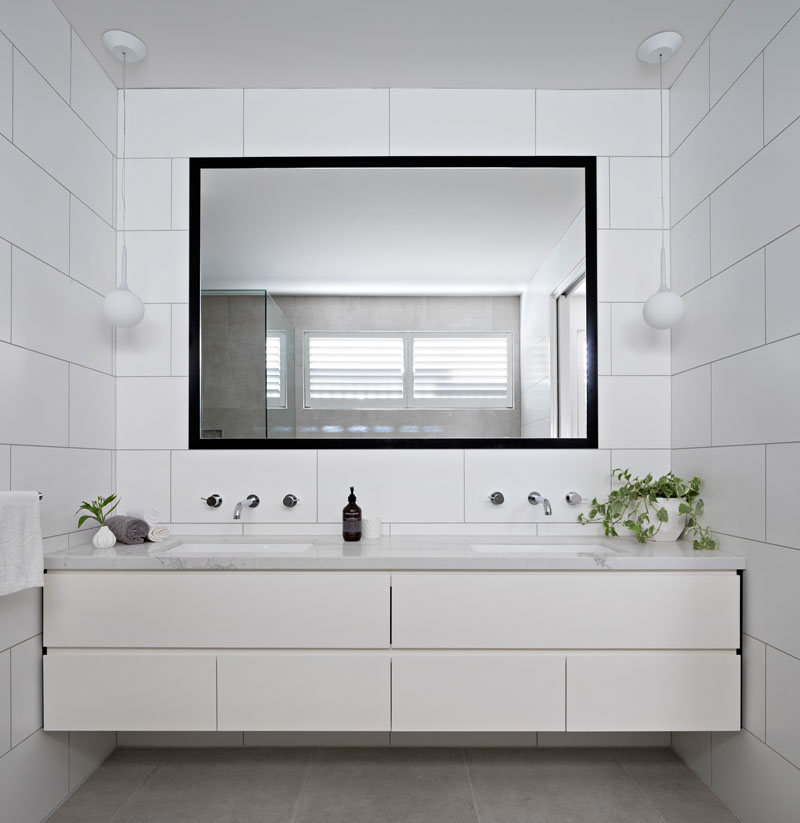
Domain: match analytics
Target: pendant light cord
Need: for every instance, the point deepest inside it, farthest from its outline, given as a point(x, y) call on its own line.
point(664, 286)
point(124, 276)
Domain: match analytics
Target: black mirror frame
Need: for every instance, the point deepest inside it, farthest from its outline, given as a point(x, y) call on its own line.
point(587, 163)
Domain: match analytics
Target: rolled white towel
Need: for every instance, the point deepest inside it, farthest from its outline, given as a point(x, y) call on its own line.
point(157, 534)
point(150, 516)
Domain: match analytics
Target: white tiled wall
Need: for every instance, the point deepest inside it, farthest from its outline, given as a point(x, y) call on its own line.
point(57, 419)
point(736, 383)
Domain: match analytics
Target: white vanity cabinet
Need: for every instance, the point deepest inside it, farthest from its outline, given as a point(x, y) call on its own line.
point(379, 651)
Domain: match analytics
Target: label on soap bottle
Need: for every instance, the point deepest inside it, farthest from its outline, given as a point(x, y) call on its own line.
point(351, 523)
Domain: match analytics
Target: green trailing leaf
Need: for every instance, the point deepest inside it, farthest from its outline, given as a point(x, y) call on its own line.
point(97, 509)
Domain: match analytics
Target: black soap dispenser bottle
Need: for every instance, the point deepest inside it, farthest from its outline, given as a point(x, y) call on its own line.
point(351, 519)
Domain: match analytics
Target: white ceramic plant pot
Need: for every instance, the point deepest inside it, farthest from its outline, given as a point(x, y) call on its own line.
point(673, 528)
point(103, 538)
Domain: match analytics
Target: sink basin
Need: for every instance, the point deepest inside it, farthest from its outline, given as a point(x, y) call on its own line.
point(538, 548)
point(237, 548)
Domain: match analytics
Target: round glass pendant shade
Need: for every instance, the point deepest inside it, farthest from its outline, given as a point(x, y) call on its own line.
point(663, 309)
point(123, 308)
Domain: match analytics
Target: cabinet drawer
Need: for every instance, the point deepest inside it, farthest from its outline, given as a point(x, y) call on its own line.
point(654, 692)
point(129, 692)
point(216, 610)
point(304, 692)
point(571, 610)
point(478, 693)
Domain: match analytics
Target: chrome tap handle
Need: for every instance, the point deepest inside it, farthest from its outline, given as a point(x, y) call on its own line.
point(535, 499)
point(497, 498)
point(254, 500)
point(213, 500)
point(574, 498)
point(290, 501)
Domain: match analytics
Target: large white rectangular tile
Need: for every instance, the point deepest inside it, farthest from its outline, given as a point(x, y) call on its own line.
point(722, 316)
point(634, 412)
point(6, 86)
point(783, 492)
point(152, 412)
point(636, 192)
point(688, 96)
point(286, 122)
point(635, 347)
point(641, 462)
point(5, 290)
point(781, 68)
point(56, 315)
point(783, 721)
point(759, 203)
point(92, 248)
point(87, 750)
point(690, 242)
point(148, 194)
point(143, 481)
point(20, 617)
point(753, 685)
point(185, 122)
point(517, 472)
point(26, 689)
point(33, 397)
point(65, 477)
point(145, 350)
point(462, 121)
point(404, 486)
point(754, 781)
point(67, 147)
point(158, 265)
point(783, 286)
point(729, 135)
point(603, 192)
point(756, 395)
point(454, 529)
point(691, 408)
point(180, 193)
point(94, 96)
point(742, 32)
point(34, 777)
point(604, 122)
point(628, 264)
point(37, 218)
point(732, 488)
point(604, 338)
point(38, 29)
point(91, 409)
point(5, 701)
point(270, 475)
point(180, 339)
point(694, 748)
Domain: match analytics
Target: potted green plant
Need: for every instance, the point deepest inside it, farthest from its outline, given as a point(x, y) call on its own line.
point(104, 537)
point(653, 509)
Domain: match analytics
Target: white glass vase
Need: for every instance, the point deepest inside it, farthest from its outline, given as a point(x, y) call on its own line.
point(103, 538)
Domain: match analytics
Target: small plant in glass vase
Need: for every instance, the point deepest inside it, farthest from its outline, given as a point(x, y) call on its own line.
point(653, 509)
point(104, 538)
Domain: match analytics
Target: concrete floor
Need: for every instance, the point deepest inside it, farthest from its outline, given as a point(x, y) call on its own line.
point(393, 786)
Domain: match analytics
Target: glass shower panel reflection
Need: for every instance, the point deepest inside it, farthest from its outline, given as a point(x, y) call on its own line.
point(280, 379)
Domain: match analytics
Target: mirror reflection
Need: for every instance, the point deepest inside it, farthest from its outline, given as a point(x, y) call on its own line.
point(378, 303)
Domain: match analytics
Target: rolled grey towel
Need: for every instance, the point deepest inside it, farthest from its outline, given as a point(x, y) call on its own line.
point(128, 530)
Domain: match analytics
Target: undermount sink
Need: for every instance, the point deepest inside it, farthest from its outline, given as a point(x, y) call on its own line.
point(237, 548)
point(538, 548)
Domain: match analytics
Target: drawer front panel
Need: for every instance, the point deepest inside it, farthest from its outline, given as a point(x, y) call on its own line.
point(478, 693)
point(129, 692)
point(654, 692)
point(577, 610)
point(216, 610)
point(304, 692)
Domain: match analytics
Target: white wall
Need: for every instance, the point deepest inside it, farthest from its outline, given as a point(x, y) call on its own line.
point(736, 378)
point(57, 133)
point(414, 491)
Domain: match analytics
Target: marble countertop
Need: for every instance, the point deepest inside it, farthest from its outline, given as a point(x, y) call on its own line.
point(399, 553)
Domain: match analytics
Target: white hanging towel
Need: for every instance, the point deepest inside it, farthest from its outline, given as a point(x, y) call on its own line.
point(21, 553)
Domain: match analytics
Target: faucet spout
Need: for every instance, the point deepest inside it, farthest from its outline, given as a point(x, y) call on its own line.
point(548, 509)
point(534, 498)
point(250, 502)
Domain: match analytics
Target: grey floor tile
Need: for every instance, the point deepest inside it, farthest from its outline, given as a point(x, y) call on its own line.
point(220, 786)
point(556, 786)
point(387, 786)
point(104, 792)
point(673, 788)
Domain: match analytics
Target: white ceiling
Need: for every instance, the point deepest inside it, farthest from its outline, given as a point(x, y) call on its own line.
point(551, 44)
point(404, 231)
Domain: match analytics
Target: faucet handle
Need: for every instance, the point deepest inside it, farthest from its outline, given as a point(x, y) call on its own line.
point(213, 500)
point(254, 500)
point(497, 498)
point(574, 498)
point(290, 501)
point(535, 499)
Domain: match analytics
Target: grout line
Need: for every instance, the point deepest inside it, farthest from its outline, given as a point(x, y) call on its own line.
point(471, 787)
point(138, 786)
point(302, 791)
point(638, 785)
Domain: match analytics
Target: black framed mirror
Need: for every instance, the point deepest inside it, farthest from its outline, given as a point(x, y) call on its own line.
point(397, 302)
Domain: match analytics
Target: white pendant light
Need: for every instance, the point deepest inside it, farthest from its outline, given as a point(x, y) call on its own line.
point(664, 308)
point(122, 306)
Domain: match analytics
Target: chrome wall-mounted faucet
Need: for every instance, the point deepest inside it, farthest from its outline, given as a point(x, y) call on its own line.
point(250, 503)
point(534, 498)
